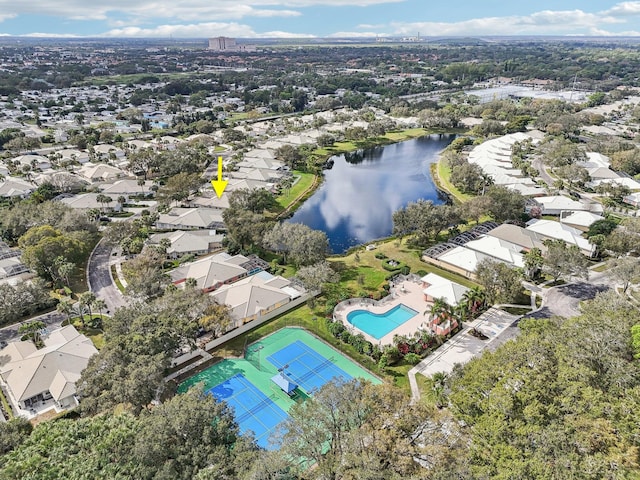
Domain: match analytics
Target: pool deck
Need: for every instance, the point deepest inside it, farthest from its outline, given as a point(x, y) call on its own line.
point(408, 293)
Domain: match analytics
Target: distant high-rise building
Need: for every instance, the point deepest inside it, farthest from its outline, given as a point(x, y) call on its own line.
point(226, 44)
point(223, 43)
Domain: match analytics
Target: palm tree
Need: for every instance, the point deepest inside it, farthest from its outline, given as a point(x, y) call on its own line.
point(474, 298)
point(101, 199)
point(439, 308)
point(100, 305)
point(461, 311)
point(65, 307)
point(86, 299)
point(439, 382)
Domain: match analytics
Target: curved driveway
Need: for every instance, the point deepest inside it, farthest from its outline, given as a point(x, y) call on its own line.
point(564, 301)
point(100, 280)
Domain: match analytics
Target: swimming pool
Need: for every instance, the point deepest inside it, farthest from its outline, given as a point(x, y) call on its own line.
point(380, 324)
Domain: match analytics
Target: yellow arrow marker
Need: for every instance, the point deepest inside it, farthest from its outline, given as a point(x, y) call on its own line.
point(219, 185)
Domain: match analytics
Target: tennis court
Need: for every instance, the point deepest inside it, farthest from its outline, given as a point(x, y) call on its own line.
point(253, 409)
point(305, 367)
point(247, 384)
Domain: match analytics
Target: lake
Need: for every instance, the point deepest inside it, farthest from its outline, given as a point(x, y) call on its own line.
point(359, 194)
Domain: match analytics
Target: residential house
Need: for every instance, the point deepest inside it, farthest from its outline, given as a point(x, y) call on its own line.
point(632, 199)
point(87, 201)
point(191, 219)
point(255, 296)
point(555, 230)
point(210, 273)
point(73, 155)
point(105, 152)
point(15, 187)
point(525, 239)
point(195, 242)
point(35, 162)
point(42, 379)
point(557, 204)
point(580, 220)
point(498, 249)
point(100, 172)
point(127, 188)
point(460, 260)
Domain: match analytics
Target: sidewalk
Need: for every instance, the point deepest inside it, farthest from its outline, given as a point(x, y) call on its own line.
point(463, 346)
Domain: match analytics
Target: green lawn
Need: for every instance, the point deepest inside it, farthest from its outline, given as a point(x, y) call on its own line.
point(406, 134)
point(94, 334)
point(365, 272)
point(441, 175)
point(116, 279)
point(286, 199)
point(390, 137)
point(5, 405)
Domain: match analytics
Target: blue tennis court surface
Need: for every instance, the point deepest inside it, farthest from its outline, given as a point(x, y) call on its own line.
point(253, 409)
point(306, 367)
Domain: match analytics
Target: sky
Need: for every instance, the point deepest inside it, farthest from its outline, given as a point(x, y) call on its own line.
point(316, 18)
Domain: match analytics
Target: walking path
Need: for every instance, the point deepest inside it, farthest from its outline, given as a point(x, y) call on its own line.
point(199, 352)
point(464, 346)
point(284, 213)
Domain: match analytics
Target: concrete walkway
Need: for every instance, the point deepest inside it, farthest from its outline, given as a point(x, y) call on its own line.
point(464, 346)
point(205, 357)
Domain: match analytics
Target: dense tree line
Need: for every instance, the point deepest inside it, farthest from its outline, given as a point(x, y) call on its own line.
point(140, 341)
point(560, 401)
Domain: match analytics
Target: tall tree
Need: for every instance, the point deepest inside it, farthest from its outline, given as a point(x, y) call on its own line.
point(501, 282)
point(626, 270)
point(299, 243)
point(505, 204)
point(562, 260)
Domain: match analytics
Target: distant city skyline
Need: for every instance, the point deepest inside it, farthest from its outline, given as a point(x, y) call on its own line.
point(317, 18)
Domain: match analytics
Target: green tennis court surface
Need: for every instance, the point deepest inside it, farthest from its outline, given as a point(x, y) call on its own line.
point(246, 384)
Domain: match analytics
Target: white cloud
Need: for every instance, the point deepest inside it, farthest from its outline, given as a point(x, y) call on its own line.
point(546, 22)
point(50, 35)
point(357, 34)
point(203, 10)
point(624, 9)
point(199, 30)
point(370, 26)
point(281, 34)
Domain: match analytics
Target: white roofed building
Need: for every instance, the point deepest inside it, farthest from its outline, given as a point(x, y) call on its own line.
point(16, 187)
point(499, 249)
point(100, 172)
point(191, 219)
point(436, 286)
point(556, 230)
point(255, 296)
point(581, 220)
point(42, 379)
point(196, 242)
point(210, 273)
point(558, 204)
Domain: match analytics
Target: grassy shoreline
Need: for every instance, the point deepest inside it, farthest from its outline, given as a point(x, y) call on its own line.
point(324, 153)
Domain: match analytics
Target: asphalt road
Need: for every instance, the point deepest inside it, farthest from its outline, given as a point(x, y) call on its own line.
point(100, 280)
point(564, 301)
point(538, 164)
point(52, 320)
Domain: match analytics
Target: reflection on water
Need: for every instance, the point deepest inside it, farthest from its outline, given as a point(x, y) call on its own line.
point(360, 193)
